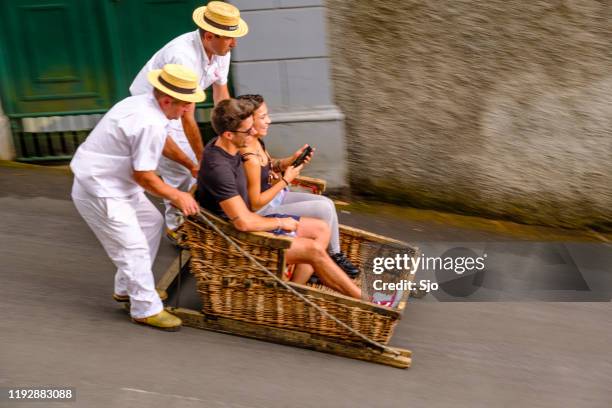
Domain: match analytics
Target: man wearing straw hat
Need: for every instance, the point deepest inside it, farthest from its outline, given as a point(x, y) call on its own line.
point(207, 52)
point(113, 168)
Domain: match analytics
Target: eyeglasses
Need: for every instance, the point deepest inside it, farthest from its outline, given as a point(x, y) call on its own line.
point(248, 131)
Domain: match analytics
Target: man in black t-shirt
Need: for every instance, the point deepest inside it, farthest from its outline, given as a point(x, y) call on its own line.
point(221, 177)
point(222, 189)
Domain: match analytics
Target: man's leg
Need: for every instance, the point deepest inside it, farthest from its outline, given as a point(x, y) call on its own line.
point(309, 251)
point(114, 222)
point(314, 206)
point(151, 222)
point(314, 229)
point(176, 175)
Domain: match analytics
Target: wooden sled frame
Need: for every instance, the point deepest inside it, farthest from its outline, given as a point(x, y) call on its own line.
point(199, 320)
point(395, 357)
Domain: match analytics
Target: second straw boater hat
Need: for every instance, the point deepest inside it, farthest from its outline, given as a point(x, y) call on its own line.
point(221, 19)
point(177, 81)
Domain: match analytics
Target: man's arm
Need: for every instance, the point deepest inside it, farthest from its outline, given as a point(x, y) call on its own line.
point(245, 220)
point(220, 92)
point(173, 152)
point(154, 185)
point(192, 132)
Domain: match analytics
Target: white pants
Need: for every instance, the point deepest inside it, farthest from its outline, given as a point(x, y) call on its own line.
point(129, 229)
point(176, 175)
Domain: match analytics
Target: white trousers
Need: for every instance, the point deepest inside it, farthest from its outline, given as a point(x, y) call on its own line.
point(176, 175)
point(129, 229)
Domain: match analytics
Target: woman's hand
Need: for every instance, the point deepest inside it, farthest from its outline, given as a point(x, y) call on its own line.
point(292, 172)
point(299, 152)
point(309, 157)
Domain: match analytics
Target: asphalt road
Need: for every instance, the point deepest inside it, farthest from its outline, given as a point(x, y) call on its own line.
point(501, 346)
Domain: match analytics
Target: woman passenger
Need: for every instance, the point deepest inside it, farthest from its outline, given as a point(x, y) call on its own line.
point(268, 181)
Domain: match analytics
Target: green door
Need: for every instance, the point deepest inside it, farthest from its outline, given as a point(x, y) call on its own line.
point(77, 56)
point(141, 27)
point(53, 57)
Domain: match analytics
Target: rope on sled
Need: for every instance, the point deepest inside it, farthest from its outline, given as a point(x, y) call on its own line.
point(202, 217)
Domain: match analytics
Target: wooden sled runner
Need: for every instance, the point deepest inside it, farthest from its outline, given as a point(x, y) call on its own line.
point(239, 297)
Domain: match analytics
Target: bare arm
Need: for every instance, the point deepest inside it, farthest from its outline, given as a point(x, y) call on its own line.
point(220, 92)
point(284, 163)
point(154, 185)
point(245, 220)
point(173, 152)
point(258, 198)
point(192, 132)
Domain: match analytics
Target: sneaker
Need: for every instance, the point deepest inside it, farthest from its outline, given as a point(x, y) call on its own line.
point(347, 266)
point(163, 295)
point(173, 236)
point(163, 321)
point(418, 293)
point(386, 299)
point(177, 237)
point(384, 303)
point(314, 280)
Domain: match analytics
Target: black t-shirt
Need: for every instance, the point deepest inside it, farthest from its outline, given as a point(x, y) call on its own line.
point(221, 177)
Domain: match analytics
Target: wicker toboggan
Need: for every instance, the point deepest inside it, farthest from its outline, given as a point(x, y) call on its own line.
point(230, 286)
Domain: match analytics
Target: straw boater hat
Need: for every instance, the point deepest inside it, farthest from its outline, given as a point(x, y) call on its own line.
point(177, 81)
point(221, 19)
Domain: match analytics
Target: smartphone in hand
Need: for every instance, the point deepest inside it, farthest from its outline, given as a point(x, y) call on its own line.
point(302, 156)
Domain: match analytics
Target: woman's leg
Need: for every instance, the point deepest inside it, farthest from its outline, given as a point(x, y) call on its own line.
point(302, 273)
point(315, 206)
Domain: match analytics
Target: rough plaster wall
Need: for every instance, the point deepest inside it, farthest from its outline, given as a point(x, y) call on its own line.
point(502, 108)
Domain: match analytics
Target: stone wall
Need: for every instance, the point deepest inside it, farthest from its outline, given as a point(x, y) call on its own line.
point(501, 108)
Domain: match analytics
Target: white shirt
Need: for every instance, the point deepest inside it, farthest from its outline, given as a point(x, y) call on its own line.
point(187, 50)
point(129, 137)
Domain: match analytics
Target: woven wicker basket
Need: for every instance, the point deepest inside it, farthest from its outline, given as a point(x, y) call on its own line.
point(231, 286)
